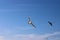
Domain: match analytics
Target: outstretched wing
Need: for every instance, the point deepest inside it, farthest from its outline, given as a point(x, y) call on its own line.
point(29, 21)
point(33, 25)
point(50, 23)
point(29, 18)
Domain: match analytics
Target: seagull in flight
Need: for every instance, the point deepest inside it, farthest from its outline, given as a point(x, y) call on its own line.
point(30, 22)
point(50, 23)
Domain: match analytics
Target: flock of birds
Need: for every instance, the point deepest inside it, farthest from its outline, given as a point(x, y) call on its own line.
point(30, 22)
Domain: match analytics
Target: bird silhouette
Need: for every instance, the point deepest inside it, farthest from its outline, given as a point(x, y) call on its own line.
point(30, 22)
point(50, 23)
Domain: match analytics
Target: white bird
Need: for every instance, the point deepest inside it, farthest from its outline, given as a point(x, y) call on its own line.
point(30, 22)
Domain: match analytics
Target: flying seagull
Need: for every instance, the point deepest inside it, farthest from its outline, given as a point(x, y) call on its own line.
point(50, 23)
point(30, 22)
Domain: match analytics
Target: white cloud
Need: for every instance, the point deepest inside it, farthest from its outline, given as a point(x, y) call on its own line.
point(49, 36)
point(36, 37)
point(2, 38)
point(55, 38)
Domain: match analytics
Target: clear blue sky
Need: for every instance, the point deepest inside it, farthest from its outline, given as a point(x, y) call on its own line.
point(14, 16)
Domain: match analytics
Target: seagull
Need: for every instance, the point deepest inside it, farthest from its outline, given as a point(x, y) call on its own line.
point(50, 23)
point(30, 22)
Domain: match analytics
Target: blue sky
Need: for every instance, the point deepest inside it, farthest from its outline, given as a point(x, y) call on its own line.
point(14, 17)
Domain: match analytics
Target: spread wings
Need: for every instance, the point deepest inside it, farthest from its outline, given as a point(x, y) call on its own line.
point(30, 22)
point(50, 23)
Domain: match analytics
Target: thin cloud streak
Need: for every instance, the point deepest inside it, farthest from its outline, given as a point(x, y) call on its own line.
point(35, 37)
point(31, 37)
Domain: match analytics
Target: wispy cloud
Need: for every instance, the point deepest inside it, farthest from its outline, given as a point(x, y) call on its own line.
point(36, 37)
point(31, 37)
point(2, 38)
point(51, 34)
